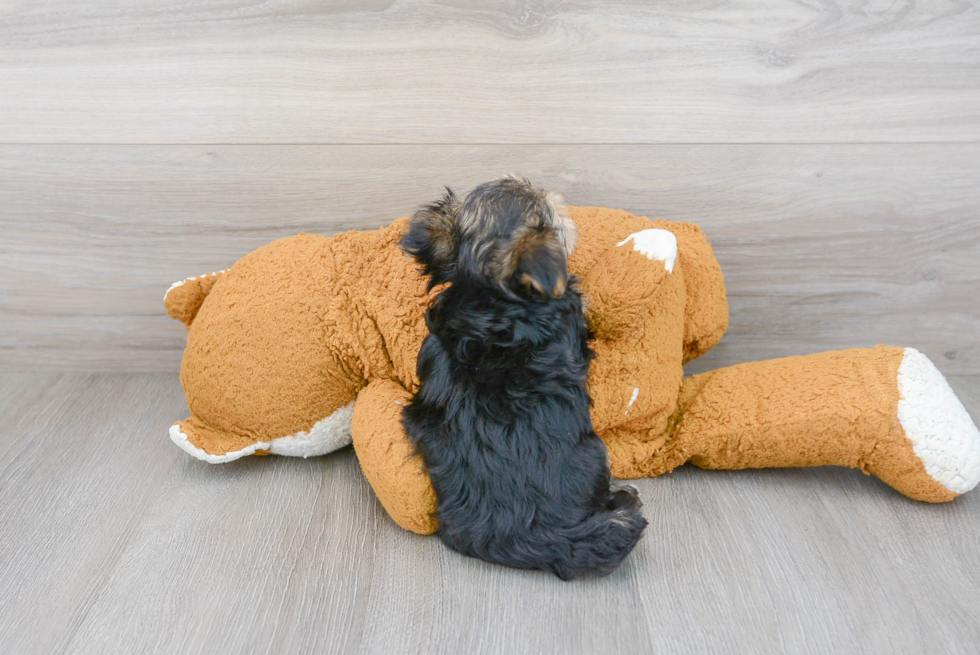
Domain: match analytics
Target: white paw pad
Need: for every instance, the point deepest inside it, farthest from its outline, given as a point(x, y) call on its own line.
point(942, 433)
point(655, 244)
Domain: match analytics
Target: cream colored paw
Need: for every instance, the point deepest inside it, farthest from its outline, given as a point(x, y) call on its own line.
point(326, 435)
point(942, 433)
point(655, 244)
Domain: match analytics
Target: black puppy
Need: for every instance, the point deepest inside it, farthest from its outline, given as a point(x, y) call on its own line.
point(502, 415)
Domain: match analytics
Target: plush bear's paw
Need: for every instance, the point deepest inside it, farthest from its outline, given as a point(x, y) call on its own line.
point(942, 433)
point(216, 447)
point(655, 244)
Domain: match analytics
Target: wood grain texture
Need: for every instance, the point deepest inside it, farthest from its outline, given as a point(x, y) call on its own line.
point(543, 71)
point(830, 149)
point(822, 246)
point(113, 540)
point(77, 471)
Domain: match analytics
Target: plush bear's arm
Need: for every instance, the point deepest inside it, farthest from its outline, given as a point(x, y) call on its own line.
point(639, 334)
point(706, 311)
point(627, 280)
point(388, 458)
point(618, 286)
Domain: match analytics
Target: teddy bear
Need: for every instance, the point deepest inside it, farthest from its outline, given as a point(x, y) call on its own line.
point(309, 344)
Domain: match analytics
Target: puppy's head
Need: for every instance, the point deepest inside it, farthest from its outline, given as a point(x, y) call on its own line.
point(506, 232)
point(432, 238)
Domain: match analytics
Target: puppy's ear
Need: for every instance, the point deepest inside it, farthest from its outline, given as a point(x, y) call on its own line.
point(541, 265)
point(432, 240)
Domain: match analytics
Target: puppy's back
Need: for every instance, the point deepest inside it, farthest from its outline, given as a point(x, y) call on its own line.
point(502, 419)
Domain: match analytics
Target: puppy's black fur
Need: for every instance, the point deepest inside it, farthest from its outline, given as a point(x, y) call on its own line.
point(502, 414)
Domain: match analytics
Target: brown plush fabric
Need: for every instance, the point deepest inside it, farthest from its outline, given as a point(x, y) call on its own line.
point(294, 329)
point(184, 301)
point(706, 306)
point(300, 328)
point(833, 408)
point(637, 373)
point(263, 353)
point(396, 473)
point(837, 408)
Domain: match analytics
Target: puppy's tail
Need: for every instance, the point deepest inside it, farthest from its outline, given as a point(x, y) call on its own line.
point(601, 542)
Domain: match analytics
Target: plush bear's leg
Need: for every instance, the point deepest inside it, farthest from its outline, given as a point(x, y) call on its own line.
point(388, 458)
point(887, 411)
point(213, 446)
point(218, 446)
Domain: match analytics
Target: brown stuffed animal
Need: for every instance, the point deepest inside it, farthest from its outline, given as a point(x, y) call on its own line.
point(310, 342)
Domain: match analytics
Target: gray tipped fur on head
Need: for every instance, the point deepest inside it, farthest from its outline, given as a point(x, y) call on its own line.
point(507, 230)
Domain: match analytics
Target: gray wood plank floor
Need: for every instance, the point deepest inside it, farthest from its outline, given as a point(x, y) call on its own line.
point(113, 540)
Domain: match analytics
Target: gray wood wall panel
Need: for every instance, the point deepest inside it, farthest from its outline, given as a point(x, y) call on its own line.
point(389, 71)
point(823, 246)
point(112, 540)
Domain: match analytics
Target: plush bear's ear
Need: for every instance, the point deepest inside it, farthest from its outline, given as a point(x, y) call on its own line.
point(432, 240)
point(540, 264)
